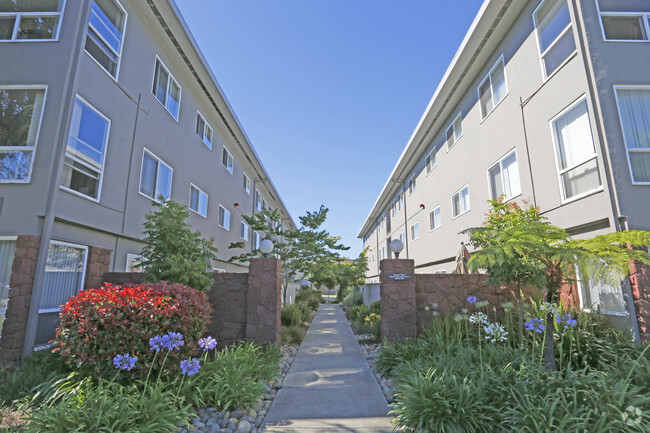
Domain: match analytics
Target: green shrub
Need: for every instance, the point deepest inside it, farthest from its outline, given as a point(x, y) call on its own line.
point(342, 293)
point(292, 334)
point(309, 297)
point(291, 315)
point(355, 297)
point(358, 312)
point(375, 307)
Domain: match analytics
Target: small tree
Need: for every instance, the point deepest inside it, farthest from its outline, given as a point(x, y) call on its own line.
point(174, 253)
point(351, 273)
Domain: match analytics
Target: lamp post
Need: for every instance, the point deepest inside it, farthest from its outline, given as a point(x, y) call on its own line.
point(266, 247)
point(396, 246)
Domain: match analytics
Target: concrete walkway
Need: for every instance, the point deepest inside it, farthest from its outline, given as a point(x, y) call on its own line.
point(329, 387)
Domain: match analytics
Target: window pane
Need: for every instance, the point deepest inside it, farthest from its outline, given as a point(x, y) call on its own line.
point(575, 142)
point(80, 178)
point(561, 51)
point(634, 106)
point(499, 84)
point(552, 18)
point(194, 199)
point(438, 220)
point(20, 115)
point(7, 27)
point(203, 203)
point(640, 162)
point(624, 28)
point(15, 165)
point(208, 137)
point(464, 199)
point(496, 183)
point(450, 135)
point(88, 131)
point(37, 27)
point(148, 176)
point(30, 5)
point(108, 20)
point(173, 102)
point(510, 169)
point(200, 125)
point(98, 50)
point(7, 249)
point(458, 128)
point(486, 98)
point(164, 181)
point(160, 82)
point(581, 179)
point(456, 204)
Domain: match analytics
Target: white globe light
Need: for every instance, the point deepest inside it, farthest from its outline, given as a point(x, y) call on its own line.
point(396, 246)
point(266, 246)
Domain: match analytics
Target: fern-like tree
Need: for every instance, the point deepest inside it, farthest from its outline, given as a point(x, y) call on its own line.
point(174, 253)
point(546, 253)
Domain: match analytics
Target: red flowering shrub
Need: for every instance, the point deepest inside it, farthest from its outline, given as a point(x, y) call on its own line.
point(98, 324)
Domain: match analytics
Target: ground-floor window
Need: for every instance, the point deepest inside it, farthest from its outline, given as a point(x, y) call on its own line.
point(601, 295)
point(7, 248)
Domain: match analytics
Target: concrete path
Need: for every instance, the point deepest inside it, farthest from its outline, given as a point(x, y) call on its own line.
point(329, 386)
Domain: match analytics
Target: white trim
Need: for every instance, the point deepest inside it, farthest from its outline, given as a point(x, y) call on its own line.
point(219, 218)
point(159, 160)
point(169, 79)
point(620, 120)
point(488, 76)
point(119, 54)
point(18, 15)
point(453, 129)
point(498, 162)
point(469, 202)
point(33, 148)
point(192, 185)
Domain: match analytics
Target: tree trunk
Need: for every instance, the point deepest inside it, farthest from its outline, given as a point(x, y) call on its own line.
point(549, 350)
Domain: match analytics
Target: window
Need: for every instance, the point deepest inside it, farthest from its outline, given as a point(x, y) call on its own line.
point(402, 237)
point(625, 27)
point(601, 295)
point(30, 20)
point(247, 184)
point(244, 231)
point(21, 110)
point(155, 178)
point(166, 89)
point(415, 231)
point(435, 219)
point(575, 152)
point(198, 201)
point(133, 263)
point(106, 33)
point(224, 217)
point(256, 240)
point(7, 249)
point(634, 114)
point(204, 130)
point(227, 160)
point(554, 34)
point(259, 200)
point(85, 153)
point(430, 161)
point(493, 89)
point(503, 178)
point(460, 202)
point(411, 184)
point(455, 131)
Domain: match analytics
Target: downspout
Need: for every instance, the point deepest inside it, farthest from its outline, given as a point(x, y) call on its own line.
point(406, 225)
point(60, 137)
point(530, 166)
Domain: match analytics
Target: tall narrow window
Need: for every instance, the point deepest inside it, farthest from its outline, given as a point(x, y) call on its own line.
point(134, 263)
point(412, 181)
point(227, 160)
point(21, 110)
point(554, 34)
point(634, 113)
point(204, 130)
point(7, 249)
point(166, 89)
point(415, 231)
point(434, 219)
point(576, 153)
point(402, 237)
point(460, 202)
point(455, 131)
point(198, 201)
point(155, 177)
point(504, 178)
point(105, 34)
point(246, 183)
point(257, 239)
point(430, 160)
point(259, 201)
point(244, 228)
point(224, 218)
point(493, 88)
point(30, 20)
point(85, 153)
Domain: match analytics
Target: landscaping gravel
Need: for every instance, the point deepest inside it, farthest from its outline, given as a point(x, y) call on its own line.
point(371, 351)
point(242, 420)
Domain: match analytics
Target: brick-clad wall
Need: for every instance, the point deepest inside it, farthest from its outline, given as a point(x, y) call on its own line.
point(264, 300)
point(398, 300)
point(99, 260)
point(20, 296)
point(640, 281)
point(228, 299)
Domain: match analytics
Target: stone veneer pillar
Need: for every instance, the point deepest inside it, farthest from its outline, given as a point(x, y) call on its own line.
point(20, 295)
point(263, 300)
point(99, 260)
point(398, 309)
point(640, 282)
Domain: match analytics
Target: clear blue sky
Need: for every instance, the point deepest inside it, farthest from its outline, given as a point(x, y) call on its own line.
point(329, 91)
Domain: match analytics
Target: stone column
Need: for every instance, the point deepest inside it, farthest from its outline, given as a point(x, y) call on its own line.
point(398, 309)
point(263, 300)
point(99, 260)
point(640, 282)
point(20, 296)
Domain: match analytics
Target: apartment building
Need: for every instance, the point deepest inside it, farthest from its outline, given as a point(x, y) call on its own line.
point(546, 102)
point(106, 106)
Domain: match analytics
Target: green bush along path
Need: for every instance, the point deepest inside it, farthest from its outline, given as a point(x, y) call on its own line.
point(329, 387)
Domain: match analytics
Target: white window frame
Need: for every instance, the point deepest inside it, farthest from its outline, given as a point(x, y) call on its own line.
point(19, 15)
point(244, 228)
point(257, 239)
point(206, 128)
point(193, 186)
point(247, 184)
point(118, 54)
point(170, 78)
point(415, 231)
point(101, 174)
point(563, 198)
point(230, 160)
point(541, 54)
point(430, 161)
point(488, 77)
point(620, 119)
point(259, 201)
point(159, 161)
point(454, 130)
point(129, 257)
point(466, 186)
point(499, 162)
point(225, 212)
point(8, 149)
point(645, 16)
point(412, 184)
point(432, 218)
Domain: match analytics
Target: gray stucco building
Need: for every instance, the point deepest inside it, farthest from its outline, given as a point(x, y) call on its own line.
point(105, 105)
point(546, 102)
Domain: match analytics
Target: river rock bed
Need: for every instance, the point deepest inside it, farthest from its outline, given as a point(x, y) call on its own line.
point(242, 420)
point(371, 351)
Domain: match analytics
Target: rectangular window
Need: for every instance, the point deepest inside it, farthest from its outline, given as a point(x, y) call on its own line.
point(30, 20)
point(7, 249)
point(166, 89)
point(460, 202)
point(244, 231)
point(246, 184)
point(259, 200)
point(493, 89)
point(576, 152)
point(455, 131)
point(411, 184)
point(601, 295)
point(402, 237)
point(503, 178)
point(227, 160)
point(256, 240)
point(626, 27)
point(224, 217)
point(21, 110)
point(634, 114)
point(415, 231)
point(204, 130)
point(435, 220)
point(155, 178)
point(106, 33)
point(554, 34)
point(86, 150)
point(198, 201)
point(133, 263)
point(430, 161)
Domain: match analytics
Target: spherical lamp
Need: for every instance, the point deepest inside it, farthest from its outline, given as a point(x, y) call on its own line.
point(266, 247)
point(396, 246)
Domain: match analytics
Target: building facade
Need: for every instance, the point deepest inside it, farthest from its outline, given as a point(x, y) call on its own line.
point(546, 102)
point(106, 106)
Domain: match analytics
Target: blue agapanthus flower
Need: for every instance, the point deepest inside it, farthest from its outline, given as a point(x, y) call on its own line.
point(472, 299)
point(156, 343)
point(535, 324)
point(207, 343)
point(567, 320)
point(190, 366)
point(124, 362)
point(173, 340)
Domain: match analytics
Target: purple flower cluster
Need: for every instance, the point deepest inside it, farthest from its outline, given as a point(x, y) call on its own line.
point(567, 320)
point(535, 324)
point(472, 299)
point(124, 362)
point(207, 343)
point(190, 366)
point(170, 341)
